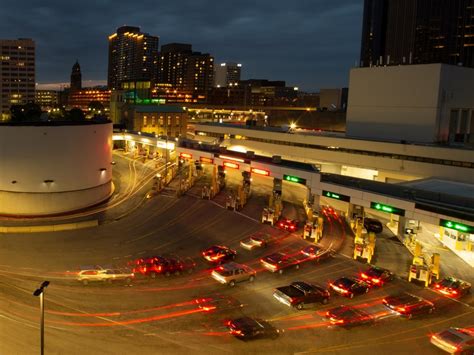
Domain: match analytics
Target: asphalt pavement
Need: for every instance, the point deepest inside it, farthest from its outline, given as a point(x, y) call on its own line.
point(161, 316)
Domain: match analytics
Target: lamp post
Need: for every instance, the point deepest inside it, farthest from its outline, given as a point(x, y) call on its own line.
point(40, 292)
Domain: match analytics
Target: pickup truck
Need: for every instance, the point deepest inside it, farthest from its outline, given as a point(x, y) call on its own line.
point(300, 293)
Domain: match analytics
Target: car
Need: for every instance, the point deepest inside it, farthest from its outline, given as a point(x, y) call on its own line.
point(373, 225)
point(231, 273)
point(105, 275)
point(455, 340)
point(452, 287)
point(376, 276)
point(408, 305)
point(218, 302)
point(250, 328)
point(218, 254)
point(278, 262)
point(290, 225)
point(349, 286)
point(257, 240)
point(160, 265)
point(346, 316)
point(300, 293)
point(316, 253)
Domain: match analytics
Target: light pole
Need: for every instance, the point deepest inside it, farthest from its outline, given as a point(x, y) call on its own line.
point(40, 292)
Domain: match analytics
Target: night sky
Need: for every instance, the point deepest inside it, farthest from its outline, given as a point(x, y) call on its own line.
point(309, 43)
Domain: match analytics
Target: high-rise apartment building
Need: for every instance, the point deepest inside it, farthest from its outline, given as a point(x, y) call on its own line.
point(227, 74)
point(199, 73)
point(76, 77)
point(397, 32)
point(173, 63)
point(133, 55)
point(17, 74)
point(192, 72)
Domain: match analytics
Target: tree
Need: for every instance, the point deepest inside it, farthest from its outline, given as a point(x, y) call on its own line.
point(75, 114)
point(29, 112)
point(96, 107)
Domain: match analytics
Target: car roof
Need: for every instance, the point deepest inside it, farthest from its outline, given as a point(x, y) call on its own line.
point(232, 266)
point(246, 322)
point(405, 298)
point(346, 281)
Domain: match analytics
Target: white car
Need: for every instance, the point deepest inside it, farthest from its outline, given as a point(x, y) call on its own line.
point(105, 275)
point(256, 240)
point(455, 340)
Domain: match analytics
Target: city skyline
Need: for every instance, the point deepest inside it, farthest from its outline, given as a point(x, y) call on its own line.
point(271, 52)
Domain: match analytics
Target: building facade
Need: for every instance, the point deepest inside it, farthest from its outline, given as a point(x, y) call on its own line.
point(425, 103)
point(164, 120)
point(133, 55)
point(173, 63)
point(397, 32)
point(58, 167)
point(17, 74)
point(47, 99)
point(227, 74)
point(82, 98)
point(199, 73)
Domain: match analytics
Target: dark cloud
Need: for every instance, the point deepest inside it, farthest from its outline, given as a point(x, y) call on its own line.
point(311, 44)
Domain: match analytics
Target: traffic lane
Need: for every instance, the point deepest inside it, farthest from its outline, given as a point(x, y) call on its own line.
point(298, 324)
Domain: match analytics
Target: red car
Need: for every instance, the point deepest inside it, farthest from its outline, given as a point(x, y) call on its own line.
point(452, 287)
point(376, 276)
point(408, 305)
point(288, 224)
point(346, 316)
point(218, 254)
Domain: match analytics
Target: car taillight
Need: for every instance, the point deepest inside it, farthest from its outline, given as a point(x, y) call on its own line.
point(364, 276)
point(281, 224)
point(159, 268)
point(133, 274)
point(401, 309)
point(292, 227)
point(437, 286)
point(376, 281)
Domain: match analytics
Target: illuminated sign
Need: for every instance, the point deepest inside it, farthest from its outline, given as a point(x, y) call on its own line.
point(185, 155)
point(386, 208)
point(336, 196)
point(231, 165)
point(231, 158)
point(457, 226)
point(206, 160)
point(260, 172)
point(296, 179)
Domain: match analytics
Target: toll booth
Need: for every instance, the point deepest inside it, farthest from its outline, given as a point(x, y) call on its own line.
point(424, 268)
point(272, 213)
point(231, 201)
point(313, 228)
point(364, 244)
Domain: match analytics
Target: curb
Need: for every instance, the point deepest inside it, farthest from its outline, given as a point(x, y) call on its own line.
point(50, 228)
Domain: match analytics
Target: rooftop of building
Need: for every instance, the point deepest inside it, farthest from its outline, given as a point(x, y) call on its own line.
point(437, 185)
point(54, 123)
point(324, 133)
point(159, 108)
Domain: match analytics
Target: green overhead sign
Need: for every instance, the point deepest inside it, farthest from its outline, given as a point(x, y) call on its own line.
point(336, 196)
point(386, 208)
point(457, 226)
point(296, 179)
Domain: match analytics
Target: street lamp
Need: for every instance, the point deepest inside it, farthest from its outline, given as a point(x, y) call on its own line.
point(40, 292)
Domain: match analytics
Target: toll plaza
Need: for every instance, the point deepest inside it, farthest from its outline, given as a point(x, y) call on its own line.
point(402, 209)
point(434, 218)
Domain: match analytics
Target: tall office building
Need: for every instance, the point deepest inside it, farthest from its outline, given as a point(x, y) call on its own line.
point(399, 32)
point(173, 63)
point(227, 74)
point(76, 77)
point(17, 74)
point(133, 55)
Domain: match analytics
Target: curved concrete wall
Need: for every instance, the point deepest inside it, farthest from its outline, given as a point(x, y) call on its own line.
point(49, 169)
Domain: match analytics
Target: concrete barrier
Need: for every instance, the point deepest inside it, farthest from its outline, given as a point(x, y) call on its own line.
point(49, 228)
